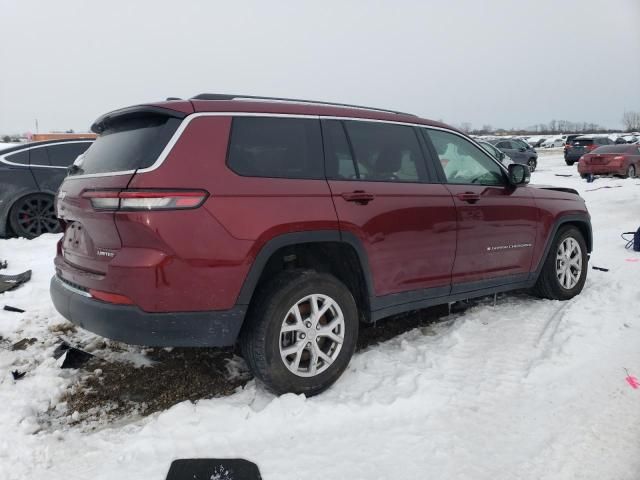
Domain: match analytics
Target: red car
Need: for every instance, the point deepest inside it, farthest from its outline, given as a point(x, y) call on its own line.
point(623, 160)
point(281, 224)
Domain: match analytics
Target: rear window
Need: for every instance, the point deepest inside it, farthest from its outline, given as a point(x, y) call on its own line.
point(276, 147)
point(21, 157)
point(128, 144)
point(583, 142)
point(64, 154)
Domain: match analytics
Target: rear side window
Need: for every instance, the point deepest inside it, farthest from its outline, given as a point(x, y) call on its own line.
point(506, 145)
point(64, 154)
point(127, 144)
point(339, 160)
point(21, 158)
point(386, 152)
point(276, 147)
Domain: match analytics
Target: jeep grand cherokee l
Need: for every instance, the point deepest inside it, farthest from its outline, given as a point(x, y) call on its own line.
point(280, 225)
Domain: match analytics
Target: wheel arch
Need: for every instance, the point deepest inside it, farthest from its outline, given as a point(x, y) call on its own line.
point(580, 221)
point(5, 215)
point(331, 251)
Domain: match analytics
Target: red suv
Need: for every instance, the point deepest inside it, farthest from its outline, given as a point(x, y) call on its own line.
point(281, 224)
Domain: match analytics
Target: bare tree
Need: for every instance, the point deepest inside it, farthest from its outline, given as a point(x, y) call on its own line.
point(631, 121)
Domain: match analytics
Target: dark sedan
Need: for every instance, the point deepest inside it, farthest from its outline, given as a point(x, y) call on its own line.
point(30, 175)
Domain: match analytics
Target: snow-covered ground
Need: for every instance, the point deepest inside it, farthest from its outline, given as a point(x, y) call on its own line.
point(525, 389)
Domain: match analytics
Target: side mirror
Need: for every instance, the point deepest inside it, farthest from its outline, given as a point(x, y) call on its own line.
point(519, 174)
point(522, 149)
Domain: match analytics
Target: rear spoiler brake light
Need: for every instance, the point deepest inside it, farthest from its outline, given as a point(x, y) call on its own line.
point(153, 199)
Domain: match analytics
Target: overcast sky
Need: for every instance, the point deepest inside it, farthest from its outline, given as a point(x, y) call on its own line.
point(500, 62)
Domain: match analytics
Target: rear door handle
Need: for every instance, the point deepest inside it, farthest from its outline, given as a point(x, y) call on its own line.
point(358, 196)
point(469, 197)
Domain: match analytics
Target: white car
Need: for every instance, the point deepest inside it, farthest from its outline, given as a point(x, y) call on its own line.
point(553, 142)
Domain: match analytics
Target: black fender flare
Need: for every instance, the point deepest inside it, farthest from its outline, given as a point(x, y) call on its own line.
point(579, 218)
point(295, 238)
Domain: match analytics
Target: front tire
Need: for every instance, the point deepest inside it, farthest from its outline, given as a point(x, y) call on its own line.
point(33, 215)
point(301, 332)
point(532, 163)
point(569, 162)
point(564, 271)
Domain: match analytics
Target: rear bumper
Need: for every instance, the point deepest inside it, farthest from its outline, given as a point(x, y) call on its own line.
point(129, 324)
point(601, 169)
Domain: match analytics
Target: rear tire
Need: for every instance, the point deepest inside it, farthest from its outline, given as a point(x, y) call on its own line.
point(569, 162)
point(631, 172)
point(533, 164)
point(319, 353)
point(33, 215)
point(564, 271)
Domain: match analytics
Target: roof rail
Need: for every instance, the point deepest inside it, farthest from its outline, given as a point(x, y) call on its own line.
point(223, 96)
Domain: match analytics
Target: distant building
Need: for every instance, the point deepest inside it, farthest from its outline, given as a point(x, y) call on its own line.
point(38, 137)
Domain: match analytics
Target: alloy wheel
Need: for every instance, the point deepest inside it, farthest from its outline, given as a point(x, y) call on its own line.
point(569, 263)
point(36, 215)
point(311, 335)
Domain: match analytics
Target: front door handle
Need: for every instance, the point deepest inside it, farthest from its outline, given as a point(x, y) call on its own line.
point(469, 197)
point(359, 196)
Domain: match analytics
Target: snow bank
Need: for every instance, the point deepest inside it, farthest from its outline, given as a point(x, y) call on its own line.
point(527, 388)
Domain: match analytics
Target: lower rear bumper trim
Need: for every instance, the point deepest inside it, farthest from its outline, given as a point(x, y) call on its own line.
point(129, 324)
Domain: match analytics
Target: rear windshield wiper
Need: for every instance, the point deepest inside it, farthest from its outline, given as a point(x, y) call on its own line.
point(74, 169)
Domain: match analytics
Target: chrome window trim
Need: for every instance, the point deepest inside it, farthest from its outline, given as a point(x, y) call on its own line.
point(26, 149)
point(189, 118)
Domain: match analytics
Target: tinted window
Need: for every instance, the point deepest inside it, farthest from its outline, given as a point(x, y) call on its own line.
point(491, 149)
point(339, 161)
point(128, 144)
point(505, 145)
point(386, 152)
point(583, 142)
point(39, 156)
point(276, 147)
point(21, 157)
point(463, 162)
point(64, 154)
point(615, 149)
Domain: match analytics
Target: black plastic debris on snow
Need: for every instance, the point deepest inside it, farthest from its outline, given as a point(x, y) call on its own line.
point(9, 282)
point(17, 375)
point(213, 469)
point(600, 268)
point(9, 308)
point(74, 357)
point(23, 344)
point(3, 264)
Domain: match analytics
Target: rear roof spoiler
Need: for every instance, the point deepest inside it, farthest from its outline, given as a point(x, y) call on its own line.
point(103, 122)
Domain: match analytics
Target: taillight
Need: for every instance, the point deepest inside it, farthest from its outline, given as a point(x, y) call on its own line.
point(619, 157)
point(129, 200)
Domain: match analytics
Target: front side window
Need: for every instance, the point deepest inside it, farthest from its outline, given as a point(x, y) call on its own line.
point(505, 145)
point(463, 162)
point(276, 147)
point(38, 156)
point(385, 152)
